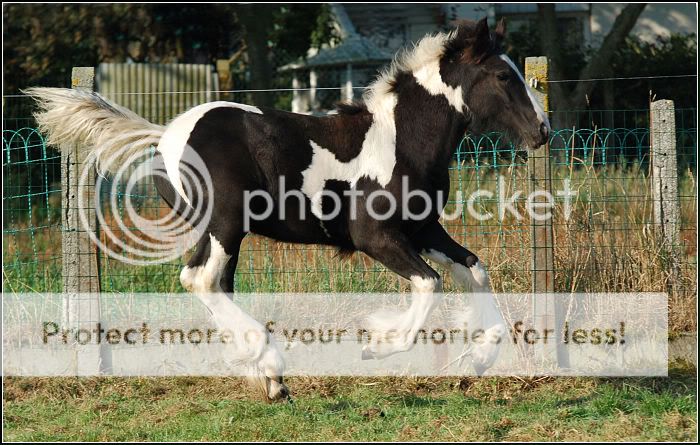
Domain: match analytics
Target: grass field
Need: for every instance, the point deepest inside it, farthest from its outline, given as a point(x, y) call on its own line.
point(337, 409)
point(608, 245)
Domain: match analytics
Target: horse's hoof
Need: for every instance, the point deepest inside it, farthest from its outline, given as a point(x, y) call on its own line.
point(283, 393)
point(367, 354)
point(277, 391)
point(480, 369)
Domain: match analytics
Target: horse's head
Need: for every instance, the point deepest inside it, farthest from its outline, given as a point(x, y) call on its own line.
point(496, 96)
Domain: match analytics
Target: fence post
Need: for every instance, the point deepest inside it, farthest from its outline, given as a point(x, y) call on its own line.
point(665, 181)
point(81, 283)
point(223, 70)
point(546, 310)
point(539, 172)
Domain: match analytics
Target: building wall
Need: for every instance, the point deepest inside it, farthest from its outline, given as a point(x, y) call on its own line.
point(392, 26)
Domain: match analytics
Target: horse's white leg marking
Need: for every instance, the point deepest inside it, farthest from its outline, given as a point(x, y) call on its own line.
point(173, 142)
point(393, 331)
point(482, 313)
point(187, 277)
point(541, 115)
point(436, 256)
point(474, 278)
point(250, 339)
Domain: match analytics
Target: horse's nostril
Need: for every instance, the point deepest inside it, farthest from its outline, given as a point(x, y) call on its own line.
point(544, 132)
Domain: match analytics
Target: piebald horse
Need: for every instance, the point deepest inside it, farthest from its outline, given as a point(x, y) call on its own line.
point(405, 131)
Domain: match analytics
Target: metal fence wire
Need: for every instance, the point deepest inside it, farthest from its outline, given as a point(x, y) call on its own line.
point(608, 243)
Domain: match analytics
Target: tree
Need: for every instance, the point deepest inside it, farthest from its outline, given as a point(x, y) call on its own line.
point(278, 34)
point(253, 19)
point(42, 42)
point(565, 97)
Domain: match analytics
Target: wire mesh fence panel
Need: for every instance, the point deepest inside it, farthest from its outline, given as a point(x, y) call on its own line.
point(31, 212)
point(607, 241)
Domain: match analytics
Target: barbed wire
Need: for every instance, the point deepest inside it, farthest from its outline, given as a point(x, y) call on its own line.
point(286, 90)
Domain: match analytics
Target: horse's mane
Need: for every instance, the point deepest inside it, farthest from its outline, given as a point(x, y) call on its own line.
point(429, 48)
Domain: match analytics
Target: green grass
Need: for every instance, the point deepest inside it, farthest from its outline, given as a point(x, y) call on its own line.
point(607, 246)
point(447, 409)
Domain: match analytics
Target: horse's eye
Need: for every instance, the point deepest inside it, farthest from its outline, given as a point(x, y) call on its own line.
point(504, 77)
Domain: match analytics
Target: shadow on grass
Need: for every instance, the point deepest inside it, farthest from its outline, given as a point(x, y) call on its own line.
point(680, 382)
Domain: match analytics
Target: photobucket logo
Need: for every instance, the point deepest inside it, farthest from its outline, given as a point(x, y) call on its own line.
point(406, 204)
point(164, 234)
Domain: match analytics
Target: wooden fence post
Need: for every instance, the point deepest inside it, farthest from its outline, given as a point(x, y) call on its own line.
point(665, 181)
point(539, 173)
point(223, 70)
point(547, 310)
point(81, 284)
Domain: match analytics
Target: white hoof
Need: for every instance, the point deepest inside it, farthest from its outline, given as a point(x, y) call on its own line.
point(485, 353)
point(388, 334)
point(480, 277)
point(269, 372)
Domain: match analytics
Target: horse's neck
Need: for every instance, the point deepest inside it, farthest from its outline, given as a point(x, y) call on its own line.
point(434, 128)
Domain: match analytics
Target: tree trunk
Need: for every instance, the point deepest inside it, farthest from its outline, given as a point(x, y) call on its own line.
point(573, 96)
point(255, 20)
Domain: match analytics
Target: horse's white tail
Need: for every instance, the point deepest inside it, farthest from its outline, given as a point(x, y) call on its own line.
point(85, 119)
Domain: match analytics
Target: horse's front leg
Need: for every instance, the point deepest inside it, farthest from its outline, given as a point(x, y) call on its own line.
point(393, 331)
point(436, 244)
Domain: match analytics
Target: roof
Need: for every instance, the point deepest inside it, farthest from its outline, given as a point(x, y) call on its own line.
point(367, 17)
point(355, 49)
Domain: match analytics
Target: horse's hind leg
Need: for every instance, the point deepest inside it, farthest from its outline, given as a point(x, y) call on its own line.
point(213, 262)
point(227, 277)
point(189, 273)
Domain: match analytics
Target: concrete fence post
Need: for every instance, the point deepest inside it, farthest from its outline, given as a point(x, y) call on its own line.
point(80, 268)
point(665, 182)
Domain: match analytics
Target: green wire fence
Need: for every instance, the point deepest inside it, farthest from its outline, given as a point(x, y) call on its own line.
point(608, 243)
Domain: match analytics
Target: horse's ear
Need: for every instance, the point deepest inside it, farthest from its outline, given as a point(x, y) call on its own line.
point(500, 31)
point(480, 45)
point(482, 28)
